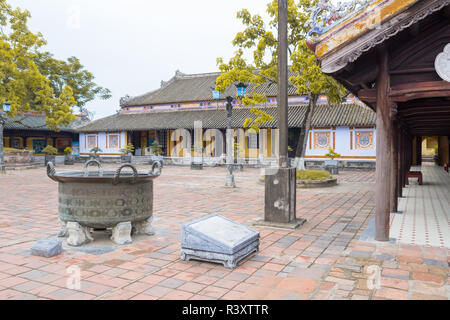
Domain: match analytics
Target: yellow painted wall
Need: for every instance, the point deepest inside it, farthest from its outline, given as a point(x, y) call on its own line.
point(428, 145)
point(170, 143)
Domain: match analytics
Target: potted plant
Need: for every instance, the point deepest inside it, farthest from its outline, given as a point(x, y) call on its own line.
point(95, 151)
point(50, 154)
point(126, 153)
point(157, 153)
point(197, 161)
point(332, 164)
point(69, 159)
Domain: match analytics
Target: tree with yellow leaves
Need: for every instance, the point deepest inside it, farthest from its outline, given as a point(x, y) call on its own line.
point(260, 38)
point(22, 85)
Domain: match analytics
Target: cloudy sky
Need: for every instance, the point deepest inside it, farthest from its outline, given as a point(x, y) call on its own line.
point(130, 46)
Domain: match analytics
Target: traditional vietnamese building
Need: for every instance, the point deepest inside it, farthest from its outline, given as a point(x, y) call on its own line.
point(170, 113)
point(31, 132)
point(394, 55)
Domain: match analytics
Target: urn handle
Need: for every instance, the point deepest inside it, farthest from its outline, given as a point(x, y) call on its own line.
point(51, 171)
point(86, 164)
point(156, 165)
point(117, 175)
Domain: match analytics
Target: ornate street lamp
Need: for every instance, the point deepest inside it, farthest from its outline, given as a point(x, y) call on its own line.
point(241, 87)
point(229, 182)
point(6, 108)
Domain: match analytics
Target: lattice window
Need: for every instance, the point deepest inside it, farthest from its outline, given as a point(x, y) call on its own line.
point(91, 141)
point(322, 140)
point(113, 141)
point(364, 140)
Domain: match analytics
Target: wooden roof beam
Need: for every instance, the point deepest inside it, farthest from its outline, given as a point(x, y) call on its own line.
point(410, 91)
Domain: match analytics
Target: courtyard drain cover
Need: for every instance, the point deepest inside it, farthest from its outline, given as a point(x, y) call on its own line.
point(215, 238)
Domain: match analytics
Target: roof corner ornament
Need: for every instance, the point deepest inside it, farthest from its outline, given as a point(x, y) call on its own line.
point(325, 15)
point(442, 64)
point(179, 73)
point(163, 83)
point(124, 100)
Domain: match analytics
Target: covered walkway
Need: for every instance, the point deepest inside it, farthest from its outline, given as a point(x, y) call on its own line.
point(424, 217)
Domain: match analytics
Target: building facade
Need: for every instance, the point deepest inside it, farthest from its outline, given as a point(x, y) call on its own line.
point(31, 132)
point(183, 114)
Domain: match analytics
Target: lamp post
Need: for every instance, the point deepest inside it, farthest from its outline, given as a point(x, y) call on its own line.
point(280, 188)
point(3, 116)
point(240, 87)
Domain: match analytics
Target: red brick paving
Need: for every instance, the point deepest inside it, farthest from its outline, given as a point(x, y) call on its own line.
point(321, 260)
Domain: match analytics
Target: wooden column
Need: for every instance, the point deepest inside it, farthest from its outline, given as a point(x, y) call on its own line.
point(394, 168)
point(400, 162)
point(419, 150)
point(403, 158)
point(384, 160)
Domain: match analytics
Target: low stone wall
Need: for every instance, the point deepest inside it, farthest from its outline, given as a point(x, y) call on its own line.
point(343, 164)
point(18, 156)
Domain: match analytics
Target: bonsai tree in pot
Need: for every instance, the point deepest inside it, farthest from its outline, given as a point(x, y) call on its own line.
point(197, 161)
point(50, 154)
point(95, 151)
point(332, 164)
point(68, 157)
point(126, 153)
point(157, 153)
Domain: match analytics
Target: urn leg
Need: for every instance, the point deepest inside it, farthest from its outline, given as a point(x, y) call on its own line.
point(121, 233)
point(63, 231)
point(144, 227)
point(78, 235)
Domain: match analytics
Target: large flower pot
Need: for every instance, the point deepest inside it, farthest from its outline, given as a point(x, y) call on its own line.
point(125, 159)
point(50, 158)
point(197, 163)
point(332, 166)
point(104, 199)
point(69, 159)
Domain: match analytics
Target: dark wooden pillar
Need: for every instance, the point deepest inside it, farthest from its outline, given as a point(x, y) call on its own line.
point(403, 161)
point(419, 150)
point(384, 161)
point(400, 162)
point(394, 168)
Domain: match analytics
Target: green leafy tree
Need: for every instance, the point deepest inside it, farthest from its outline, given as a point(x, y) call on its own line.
point(332, 154)
point(129, 148)
point(50, 150)
point(21, 82)
point(73, 74)
point(157, 148)
point(260, 38)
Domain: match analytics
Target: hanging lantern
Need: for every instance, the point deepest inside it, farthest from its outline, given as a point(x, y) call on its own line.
point(7, 106)
point(241, 87)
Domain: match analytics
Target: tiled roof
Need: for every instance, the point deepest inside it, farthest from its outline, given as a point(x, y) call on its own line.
point(349, 114)
point(36, 122)
point(196, 87)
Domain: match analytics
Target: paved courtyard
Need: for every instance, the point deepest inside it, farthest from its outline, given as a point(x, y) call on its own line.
point(323, 259)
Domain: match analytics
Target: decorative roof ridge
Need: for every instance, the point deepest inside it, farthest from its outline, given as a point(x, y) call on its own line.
point(321, 104)
point(196, 75)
